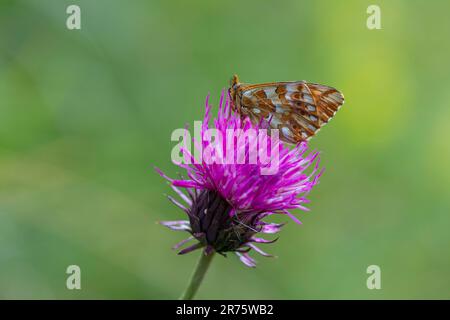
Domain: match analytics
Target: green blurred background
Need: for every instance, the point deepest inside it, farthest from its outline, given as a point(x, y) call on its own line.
point(86, 114)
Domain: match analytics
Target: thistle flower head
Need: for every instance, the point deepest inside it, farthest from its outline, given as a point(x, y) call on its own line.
point(226, 202)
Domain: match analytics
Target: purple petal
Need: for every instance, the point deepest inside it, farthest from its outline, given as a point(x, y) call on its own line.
point(186, 184)
point(179, 205)
point(162, 174)
point(196, 246)
point(246, 259)
point(182, 195)
point(182, 242)
point(179, 225)
point(271, 227)
point(292, 217)
point(259, 250)
point(261, 240)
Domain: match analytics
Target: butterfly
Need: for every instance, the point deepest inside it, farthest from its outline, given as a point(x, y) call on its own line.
point(298, 109)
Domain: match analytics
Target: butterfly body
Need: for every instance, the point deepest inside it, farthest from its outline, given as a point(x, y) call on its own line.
point(298, 109)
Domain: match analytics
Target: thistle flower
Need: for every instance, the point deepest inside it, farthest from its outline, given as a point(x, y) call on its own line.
point(226, 203)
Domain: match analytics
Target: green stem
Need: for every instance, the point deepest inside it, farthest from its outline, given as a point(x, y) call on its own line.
point(196, 279)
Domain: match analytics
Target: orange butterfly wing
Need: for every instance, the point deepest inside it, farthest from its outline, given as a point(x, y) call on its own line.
point(298, 109)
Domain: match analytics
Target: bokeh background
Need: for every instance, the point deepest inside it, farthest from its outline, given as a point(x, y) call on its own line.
point(86, 114)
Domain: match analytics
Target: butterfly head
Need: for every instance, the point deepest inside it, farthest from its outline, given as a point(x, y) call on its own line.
point(234, 85)
point(234, 81)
